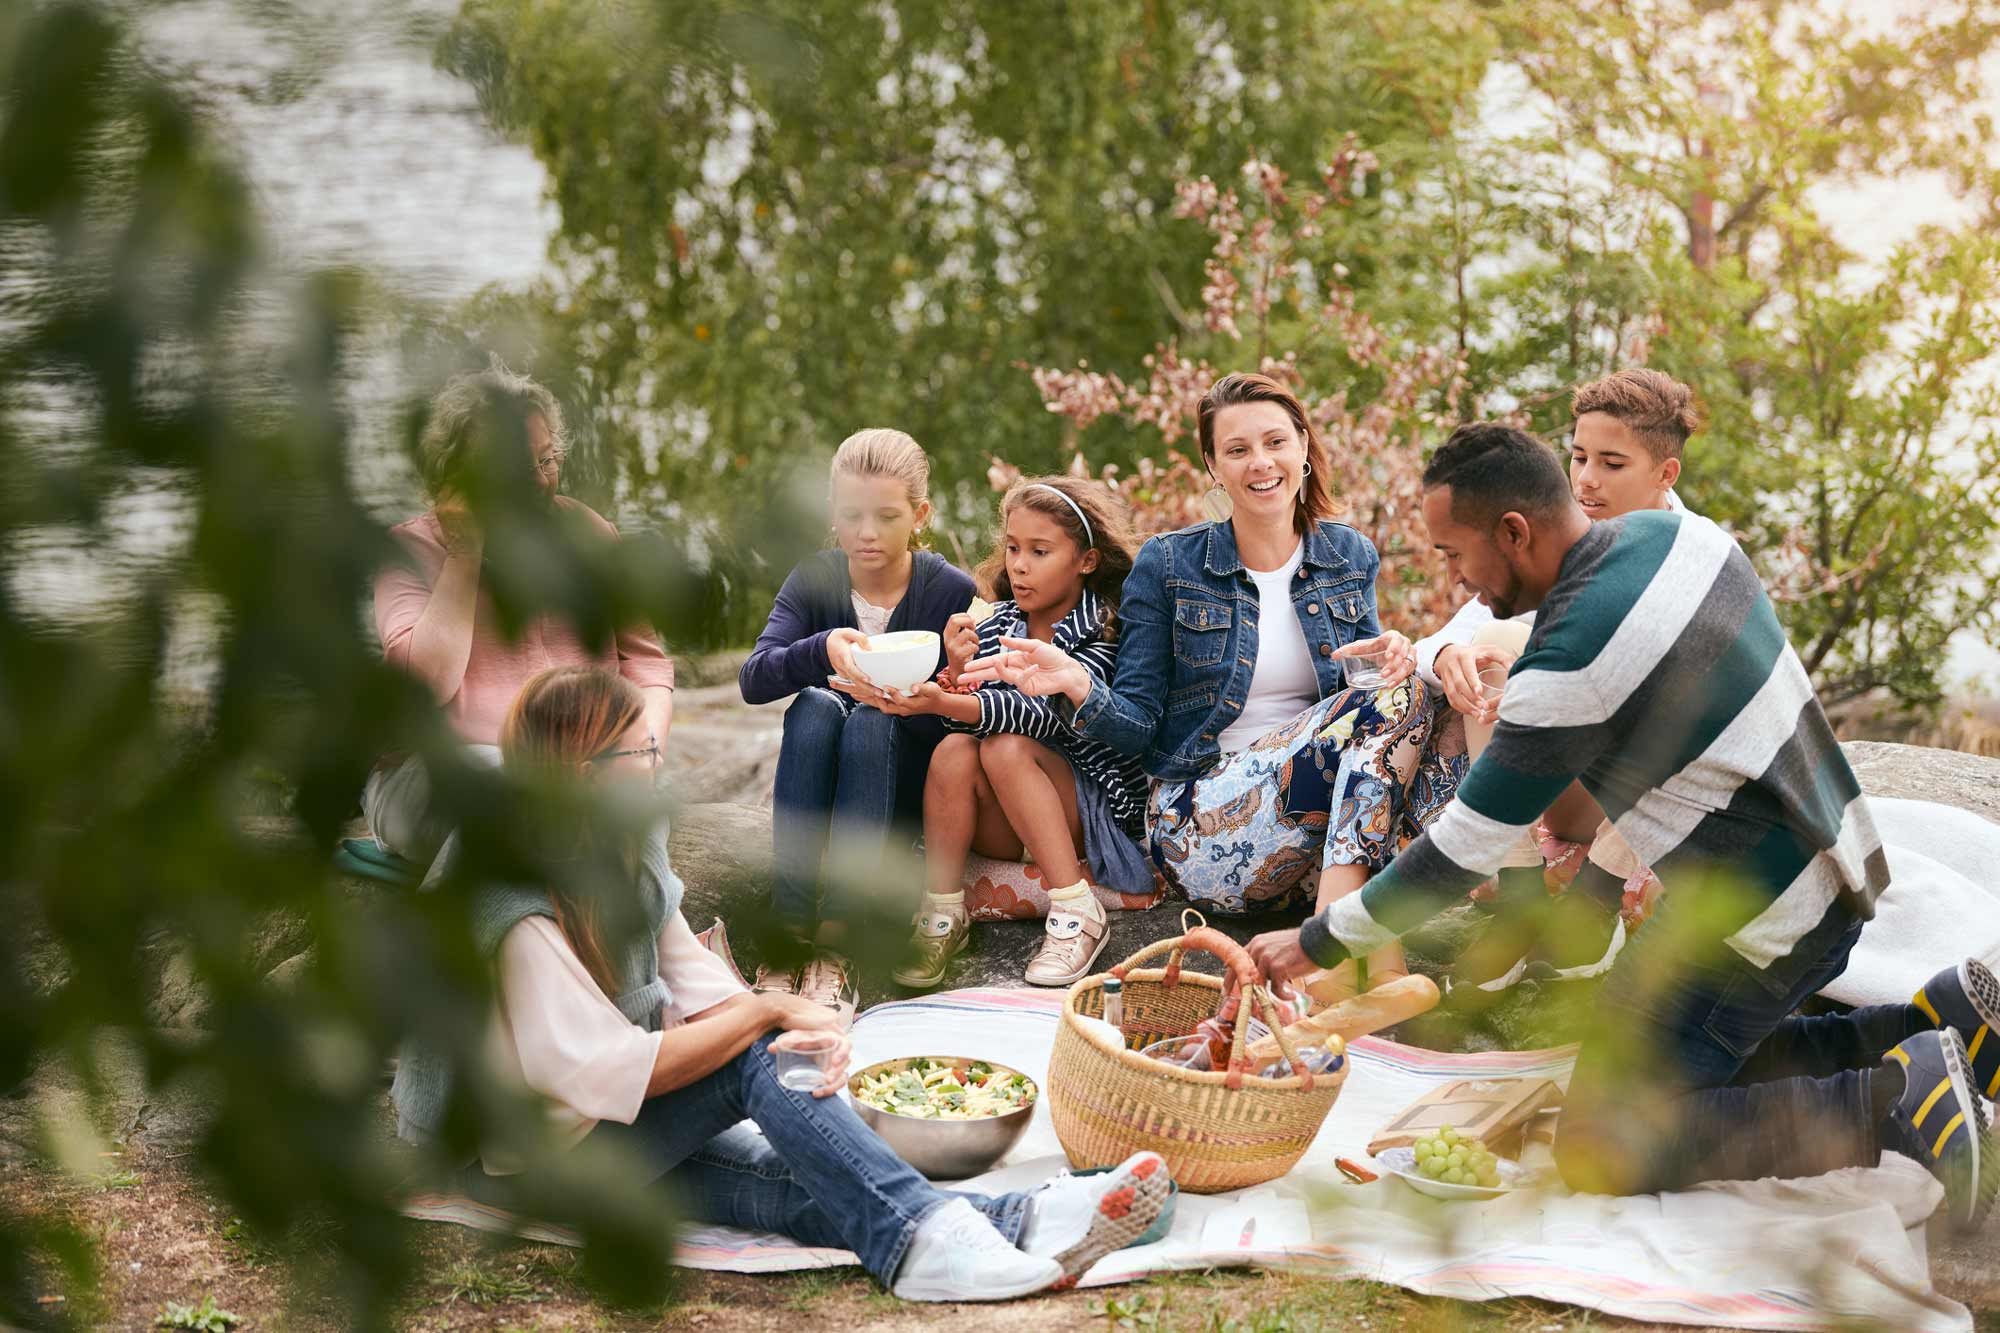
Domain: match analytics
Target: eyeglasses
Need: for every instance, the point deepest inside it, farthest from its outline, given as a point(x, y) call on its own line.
point(550, 465)
point(651, 750)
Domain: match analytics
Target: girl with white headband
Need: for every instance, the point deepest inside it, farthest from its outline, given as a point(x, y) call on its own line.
point(1015, 780)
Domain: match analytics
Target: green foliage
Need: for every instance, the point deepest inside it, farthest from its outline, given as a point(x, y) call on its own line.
point(781, 222)
point(784, 221)
point(1692, 163)
point(206, 1317)
point(145, 358)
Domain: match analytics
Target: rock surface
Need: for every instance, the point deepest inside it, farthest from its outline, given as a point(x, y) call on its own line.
point(1917, 773)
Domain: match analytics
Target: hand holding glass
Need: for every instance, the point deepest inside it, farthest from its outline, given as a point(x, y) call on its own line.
point(809, 1061)
point(1366, 671)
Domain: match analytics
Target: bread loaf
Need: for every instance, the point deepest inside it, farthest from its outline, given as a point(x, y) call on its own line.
point(1385, 1006)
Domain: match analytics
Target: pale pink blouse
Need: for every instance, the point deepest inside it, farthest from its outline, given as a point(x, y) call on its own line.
point(559, 1034)
point(499, 666)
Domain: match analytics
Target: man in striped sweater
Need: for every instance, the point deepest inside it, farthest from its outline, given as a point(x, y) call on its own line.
point(1658, 676)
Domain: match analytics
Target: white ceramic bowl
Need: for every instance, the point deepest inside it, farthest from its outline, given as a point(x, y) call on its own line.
point(900, 661)
point(1403, 1162)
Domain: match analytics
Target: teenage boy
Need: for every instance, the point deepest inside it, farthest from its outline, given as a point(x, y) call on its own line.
point(1631, 428)
point(1657, 674)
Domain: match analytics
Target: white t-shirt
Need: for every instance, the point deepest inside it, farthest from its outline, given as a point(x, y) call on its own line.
point(869, 618)
point(1283, 684)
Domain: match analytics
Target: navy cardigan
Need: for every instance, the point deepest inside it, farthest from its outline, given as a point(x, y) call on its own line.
point(818, 599)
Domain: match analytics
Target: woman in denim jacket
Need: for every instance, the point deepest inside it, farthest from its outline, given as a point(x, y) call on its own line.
point(1232, 681)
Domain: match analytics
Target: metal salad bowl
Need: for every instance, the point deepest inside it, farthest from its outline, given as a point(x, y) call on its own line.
point(944, 1149)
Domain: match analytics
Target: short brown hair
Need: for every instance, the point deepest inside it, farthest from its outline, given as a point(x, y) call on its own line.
point(1657, 408)
point(1316, 500)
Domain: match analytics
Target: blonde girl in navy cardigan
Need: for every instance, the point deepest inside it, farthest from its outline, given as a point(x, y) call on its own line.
point(846, 769)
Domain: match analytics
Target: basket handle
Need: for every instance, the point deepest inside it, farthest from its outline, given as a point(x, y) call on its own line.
point(1286, 1046)
point(1206, 939)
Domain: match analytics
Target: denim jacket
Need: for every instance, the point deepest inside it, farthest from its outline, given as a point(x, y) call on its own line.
point(1187, 640)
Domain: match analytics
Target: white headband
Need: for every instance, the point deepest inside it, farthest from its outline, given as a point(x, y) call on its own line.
point(1089, 538)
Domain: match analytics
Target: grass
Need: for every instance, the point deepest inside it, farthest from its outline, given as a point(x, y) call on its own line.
point(809, 1289)
point(477, 1283)
point(206, 1317)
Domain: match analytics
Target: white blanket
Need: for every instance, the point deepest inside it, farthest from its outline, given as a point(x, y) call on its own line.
point(1771, 1254)
point(1763, 1254)
point(1942, 904)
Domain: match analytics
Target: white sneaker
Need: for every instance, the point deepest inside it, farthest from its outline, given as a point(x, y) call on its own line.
point(1077, 1220)
point(956, 1255)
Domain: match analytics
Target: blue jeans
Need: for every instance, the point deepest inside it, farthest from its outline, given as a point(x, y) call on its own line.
point(816, 1174)
point(841, 767)
point(1702, 1071)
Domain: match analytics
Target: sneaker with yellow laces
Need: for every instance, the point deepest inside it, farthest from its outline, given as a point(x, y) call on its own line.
point(1966, 999)
point(1940, 1121)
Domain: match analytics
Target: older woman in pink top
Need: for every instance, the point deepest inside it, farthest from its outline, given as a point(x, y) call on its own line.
point(436, 621)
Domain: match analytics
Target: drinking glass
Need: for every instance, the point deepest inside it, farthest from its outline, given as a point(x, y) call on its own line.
point(1367, 671)
point(804, 1059)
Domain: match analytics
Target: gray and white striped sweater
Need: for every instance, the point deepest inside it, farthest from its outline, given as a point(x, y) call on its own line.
point(1658, 676)
point(1005, 710)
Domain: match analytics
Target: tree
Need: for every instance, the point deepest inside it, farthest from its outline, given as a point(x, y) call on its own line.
point(782, 221)
point(1272, 281)
point(1850, 402)
point(139, 822)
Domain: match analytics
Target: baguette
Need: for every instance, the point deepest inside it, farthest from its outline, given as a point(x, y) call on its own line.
point(1385, 1006)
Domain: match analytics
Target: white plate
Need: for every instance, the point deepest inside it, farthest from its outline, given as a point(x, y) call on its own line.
point(1403, 1162)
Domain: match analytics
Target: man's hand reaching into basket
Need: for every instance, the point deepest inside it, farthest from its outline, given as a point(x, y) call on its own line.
point(1032, 667)
point(1279, 955)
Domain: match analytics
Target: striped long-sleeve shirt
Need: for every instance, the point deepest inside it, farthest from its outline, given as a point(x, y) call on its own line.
point(1657, 675)
point(1005, 710)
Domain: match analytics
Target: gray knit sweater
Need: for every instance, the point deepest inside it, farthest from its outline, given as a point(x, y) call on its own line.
point(424, 1075)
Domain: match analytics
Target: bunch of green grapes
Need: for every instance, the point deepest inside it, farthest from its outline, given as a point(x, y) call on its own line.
point(1456, 1160)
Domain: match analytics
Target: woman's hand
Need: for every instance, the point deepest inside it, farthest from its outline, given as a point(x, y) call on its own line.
point(1458, 669)
point(927, 699)
point(1399, 656)
point(961, 642)
point(456, 525)
point(798, 1015)
point(840, 646)
point(1034, 668)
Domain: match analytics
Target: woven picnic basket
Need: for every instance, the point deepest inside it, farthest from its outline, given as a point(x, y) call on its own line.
point(1218, 1130)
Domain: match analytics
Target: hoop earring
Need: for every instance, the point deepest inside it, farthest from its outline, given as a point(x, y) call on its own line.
point(1307, 471)
point(1215, 502)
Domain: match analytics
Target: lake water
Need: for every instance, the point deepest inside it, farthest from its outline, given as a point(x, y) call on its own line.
point(362, 153)
point(373, 157)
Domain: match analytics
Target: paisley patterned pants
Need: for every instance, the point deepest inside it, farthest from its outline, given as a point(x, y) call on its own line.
point(1349, 781)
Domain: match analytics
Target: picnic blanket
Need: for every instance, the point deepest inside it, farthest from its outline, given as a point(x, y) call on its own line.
point(1764, 1254)
point(1942, 904)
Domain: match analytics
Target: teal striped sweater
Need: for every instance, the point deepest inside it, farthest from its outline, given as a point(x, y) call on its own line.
point(1658, 675)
